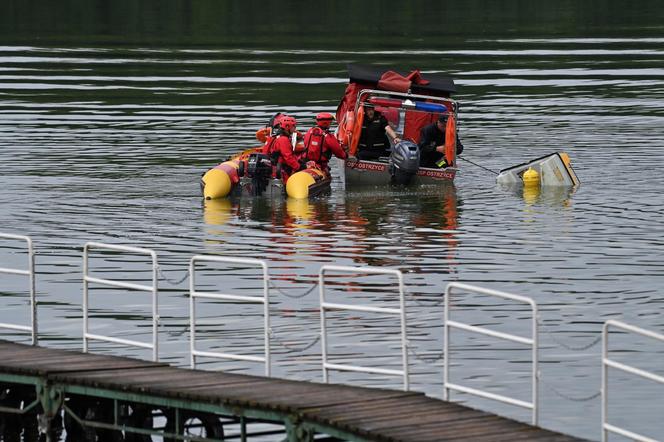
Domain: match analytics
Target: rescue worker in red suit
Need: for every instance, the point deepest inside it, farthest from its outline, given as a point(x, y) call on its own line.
point(279, 148)
point(320, 144)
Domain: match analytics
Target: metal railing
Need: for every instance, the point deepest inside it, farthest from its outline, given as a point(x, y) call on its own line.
point(401, 312)
point(532, 341)
point(264, 300)
point(87, 279)
point(606, 363)
point(30, 273)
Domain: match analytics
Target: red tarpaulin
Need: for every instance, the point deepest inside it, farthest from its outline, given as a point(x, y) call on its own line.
point(364, 77)
point(393, 81)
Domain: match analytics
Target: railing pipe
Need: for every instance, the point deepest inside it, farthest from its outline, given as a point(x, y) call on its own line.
point(264, 300)
point(153, 289)
point(30, 273)
point(533, 341)
point(401, 312)
point(606, 363)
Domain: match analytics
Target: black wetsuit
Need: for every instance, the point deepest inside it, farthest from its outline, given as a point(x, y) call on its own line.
point(373, 140)
point(430, 137)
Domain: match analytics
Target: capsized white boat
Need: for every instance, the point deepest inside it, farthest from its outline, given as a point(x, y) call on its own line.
point(551, 170)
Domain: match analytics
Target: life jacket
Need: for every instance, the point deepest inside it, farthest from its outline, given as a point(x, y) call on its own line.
point(450, 141)
point(345, 130)
point(314, 143)
point(372, 134)
point(274, 155)
point(269, 149)
point(357, 131)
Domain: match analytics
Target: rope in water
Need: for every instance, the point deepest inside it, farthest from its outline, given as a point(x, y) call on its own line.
point(481, 167)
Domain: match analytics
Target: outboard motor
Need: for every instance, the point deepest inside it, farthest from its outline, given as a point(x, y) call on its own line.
point(259, 166)
point(259, 169)
point(404, 162)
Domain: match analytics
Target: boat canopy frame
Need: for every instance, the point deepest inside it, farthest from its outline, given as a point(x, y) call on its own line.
point(365, 94)
point(407, 95)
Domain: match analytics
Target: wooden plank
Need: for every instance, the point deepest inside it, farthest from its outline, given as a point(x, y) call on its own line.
point(419, 420)
point(19, 358)
point(489, 429)
point(479, 430)
point(65, 363)
point(533, 435)
point(395, 419)
point(366, 408)
point(511, 436)
point(376, 426)
point(293, 395)
point(403, 407)
point(153, 375)
point(164, 381)
point(411, 405)
point(299, 392)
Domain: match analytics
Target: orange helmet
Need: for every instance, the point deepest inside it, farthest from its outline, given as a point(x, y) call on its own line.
point(288, 123)
point(324, 120)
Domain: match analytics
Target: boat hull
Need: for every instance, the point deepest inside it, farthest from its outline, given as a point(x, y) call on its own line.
point(275, 189)
point(376, 173)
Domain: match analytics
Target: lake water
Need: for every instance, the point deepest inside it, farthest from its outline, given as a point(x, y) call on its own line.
point(108, 120)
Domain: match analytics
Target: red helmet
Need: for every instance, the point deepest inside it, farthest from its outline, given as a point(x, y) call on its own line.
point(288, 123)
point(324, 119)
point(275, 120)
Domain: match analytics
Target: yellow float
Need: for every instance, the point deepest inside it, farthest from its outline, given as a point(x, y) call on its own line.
point(251, 173)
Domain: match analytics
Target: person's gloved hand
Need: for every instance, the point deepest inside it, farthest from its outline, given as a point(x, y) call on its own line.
point(311, 165)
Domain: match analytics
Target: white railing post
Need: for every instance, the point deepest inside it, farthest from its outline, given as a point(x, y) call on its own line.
point(532, 341)
point(153, 289)
point(606, 363)
point(30, 273)
point(264, 300)
point(401, 312)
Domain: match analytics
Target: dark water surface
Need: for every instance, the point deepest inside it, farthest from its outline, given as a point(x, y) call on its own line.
point(109, 114)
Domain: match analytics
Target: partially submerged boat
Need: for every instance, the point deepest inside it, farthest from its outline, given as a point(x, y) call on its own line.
point(251, 174)
point(549, 170)
point(409, 103)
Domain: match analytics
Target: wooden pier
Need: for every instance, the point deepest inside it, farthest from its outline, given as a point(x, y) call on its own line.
point(120, 399)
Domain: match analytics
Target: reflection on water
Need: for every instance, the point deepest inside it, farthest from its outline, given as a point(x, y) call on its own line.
point(548, 195)
point(300, 210)
point(217, 212)
point(369, 226)
point(107, 142)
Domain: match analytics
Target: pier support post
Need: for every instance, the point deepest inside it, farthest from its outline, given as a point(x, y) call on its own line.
point(296, 432)
point(51, 397)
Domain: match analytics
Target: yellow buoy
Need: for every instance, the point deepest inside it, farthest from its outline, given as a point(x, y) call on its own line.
point(298, 184)
point(531, 178)
point(217, 184)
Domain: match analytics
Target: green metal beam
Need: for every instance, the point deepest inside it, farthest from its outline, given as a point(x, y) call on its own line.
point(297, 427)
